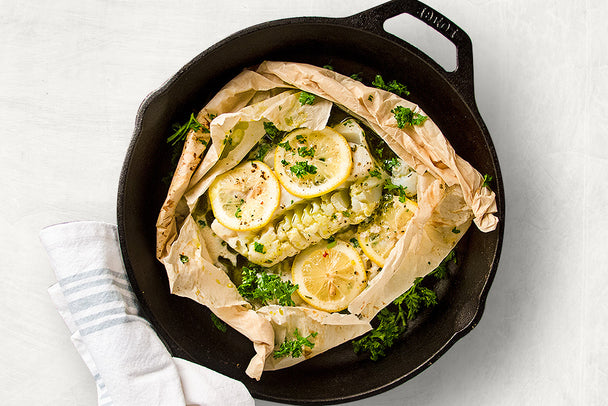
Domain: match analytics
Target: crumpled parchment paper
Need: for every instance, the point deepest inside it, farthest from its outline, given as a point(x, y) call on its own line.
point(450, 194)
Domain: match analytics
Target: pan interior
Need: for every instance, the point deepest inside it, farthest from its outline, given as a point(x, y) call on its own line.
point(185, 326)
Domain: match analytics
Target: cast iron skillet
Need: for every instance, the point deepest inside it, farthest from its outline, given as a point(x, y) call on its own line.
point(356, 44)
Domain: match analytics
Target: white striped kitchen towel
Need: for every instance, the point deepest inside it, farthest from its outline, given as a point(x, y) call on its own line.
point(128, 361)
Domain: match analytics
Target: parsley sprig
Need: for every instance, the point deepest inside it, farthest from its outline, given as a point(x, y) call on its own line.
point(181, 131)
point(393, 86)
point(405, 116)
point(486, 181)
point(390, 186)
point(391, 322)
point(301, 168)
point(306, 98)
point(218, 323)
point(259, 285)
point(294, 348)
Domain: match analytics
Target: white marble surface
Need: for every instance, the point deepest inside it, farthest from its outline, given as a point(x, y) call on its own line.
point(74, 72)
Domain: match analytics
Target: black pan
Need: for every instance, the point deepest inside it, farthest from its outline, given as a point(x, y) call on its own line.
point(356, 44)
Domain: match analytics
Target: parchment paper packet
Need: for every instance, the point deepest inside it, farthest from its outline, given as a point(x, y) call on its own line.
point(450, 194)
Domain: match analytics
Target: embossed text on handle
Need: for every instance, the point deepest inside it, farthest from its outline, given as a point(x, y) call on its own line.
point(439, 22)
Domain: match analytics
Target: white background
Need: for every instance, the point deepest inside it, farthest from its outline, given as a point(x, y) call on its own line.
point(72, 76)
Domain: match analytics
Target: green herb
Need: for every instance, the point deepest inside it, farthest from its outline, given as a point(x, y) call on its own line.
point(261, 151)
point(218, 323)
point(183, 258)
point(265, 287)
point(370, 97)
point(390, 186)
point(416, 298)
point(405, 116)
point(284, 162)
point(328, 67)
point(293, 348)
point(391, 322)
point(257, 247)
point(346, 213)
point(442, 269)
point(331, 242)
point(455, 230)
point(227, 140)
point(301, 168)
point(357, 77)
point(322, 159)
point(285, 145)
point(306, 98)
point(238, 214)
point(375, 173)
point(304, 152)
point(212, 116)
point(202, 223)
point(382, 337)
point(393, 86)
point(486, 181)
point(271, 130)
point(389, 164)
point(354, 242)
point(301, 139)
point(181, 131)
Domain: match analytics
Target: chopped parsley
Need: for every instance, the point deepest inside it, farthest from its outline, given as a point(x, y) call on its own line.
point(293, 348)
point(389, 164)
point(393, 86)
point(301, 139)
point(328, 67)
point(455, 230)
point(271, 130)
point(238, 212)
point(265, 287)
point(304, 152)
point(218, 323)
point(306, 98)
point(405, 116)
point(284, 162)
point(357, 77)
point(202, 223)
point(390, 186)
point(301, 168)
point(375, 173)
point(183, 258)
point(354, 242)
point(370, 97)
point(331, 242)
point(257, 247)
point(285, 145)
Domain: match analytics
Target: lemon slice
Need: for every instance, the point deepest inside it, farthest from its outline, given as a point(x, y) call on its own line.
point(378, 237)
point(310, 163)
point(329, 276)
point(245, 197)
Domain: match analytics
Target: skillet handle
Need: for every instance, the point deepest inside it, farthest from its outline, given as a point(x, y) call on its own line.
point(373, 20)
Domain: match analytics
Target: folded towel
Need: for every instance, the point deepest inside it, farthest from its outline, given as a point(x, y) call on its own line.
point(130, 364)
